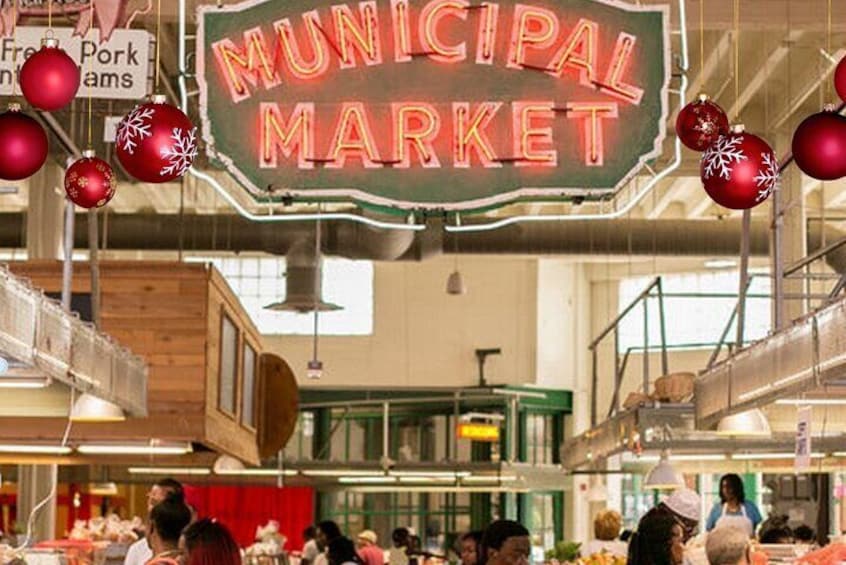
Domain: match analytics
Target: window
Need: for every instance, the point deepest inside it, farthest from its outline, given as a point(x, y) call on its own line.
point(228, 365)
point(259, 281)
point(693, 321)
point(249, 392)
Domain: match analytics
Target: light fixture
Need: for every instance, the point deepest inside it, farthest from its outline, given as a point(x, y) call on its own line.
point(314, 370)
point(751, 423)
point(89, 408)
point(770, 456)
point(103, 489)
point(720, 263)
point(34, 449)
point(366, 480)
point(130, 449)
point(422, 479)
point(597, 492)
point(431, 474)
point(811, 401)
point(663, 476)
point(455, 284)
point(9, 381)
point(169, 471)
point(341, 472)
point(227, 464)
point(489, 479)
point(4, 365)
point(257, 472)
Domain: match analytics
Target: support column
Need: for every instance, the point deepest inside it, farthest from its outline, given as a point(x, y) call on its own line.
point(45, 213)
point(34, 484)
point(788, 245)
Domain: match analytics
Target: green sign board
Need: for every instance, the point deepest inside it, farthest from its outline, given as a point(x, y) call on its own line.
point(433, 104)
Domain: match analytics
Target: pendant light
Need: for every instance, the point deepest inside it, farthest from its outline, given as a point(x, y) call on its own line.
point(663, 476)
point(90, 408)
point(751, 423)
point(455, 283)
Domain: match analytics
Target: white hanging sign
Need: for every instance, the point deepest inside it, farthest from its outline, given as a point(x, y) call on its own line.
point(118, 68)
point(803, 439)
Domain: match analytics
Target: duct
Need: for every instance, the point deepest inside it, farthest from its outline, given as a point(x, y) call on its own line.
point(203, 233)
point(303, 280)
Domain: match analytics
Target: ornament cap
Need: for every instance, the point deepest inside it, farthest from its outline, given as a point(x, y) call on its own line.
point(50, 43)
point(829, 107)
point(14, 107)
point(738, 128)
point(703, 97)
point(158, 99)
point(89, 154)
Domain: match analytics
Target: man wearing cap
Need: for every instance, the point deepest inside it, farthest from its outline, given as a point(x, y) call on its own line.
point(368, 550)
point(686, 506)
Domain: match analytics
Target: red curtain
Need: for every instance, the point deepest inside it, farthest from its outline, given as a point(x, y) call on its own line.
point(243, 509)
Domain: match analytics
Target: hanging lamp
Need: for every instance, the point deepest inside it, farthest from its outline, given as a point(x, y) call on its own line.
point(663, 476)
point(751, 423)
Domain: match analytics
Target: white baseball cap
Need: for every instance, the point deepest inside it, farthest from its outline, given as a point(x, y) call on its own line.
point(686, 503)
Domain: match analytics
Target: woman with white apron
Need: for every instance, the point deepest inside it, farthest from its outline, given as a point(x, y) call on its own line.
point(733, 510)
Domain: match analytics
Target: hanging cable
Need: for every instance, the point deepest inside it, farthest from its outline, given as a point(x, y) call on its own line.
point(158, 42)
point(14, 47)
point(737, 59)
point(317, 280)
point(50, 15)
point(90, 77)
point(701, 41)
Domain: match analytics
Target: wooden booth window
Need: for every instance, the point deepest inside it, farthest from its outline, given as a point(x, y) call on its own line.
point(248, 395)
point(228, 365)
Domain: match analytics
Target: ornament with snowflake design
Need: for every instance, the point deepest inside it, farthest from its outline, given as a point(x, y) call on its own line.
point(739, 170)
point(159, 142)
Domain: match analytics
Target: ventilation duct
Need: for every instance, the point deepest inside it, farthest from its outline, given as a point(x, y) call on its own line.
point(303, 281)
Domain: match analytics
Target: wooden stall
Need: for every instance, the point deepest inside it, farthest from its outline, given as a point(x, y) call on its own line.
point(201, 346)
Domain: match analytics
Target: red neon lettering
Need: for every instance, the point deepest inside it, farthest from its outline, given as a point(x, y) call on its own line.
point(534, 28)
point(592, 113)
point(353, 35)
point(613, 83)
point(420, 138)
point(293, 55)
point(251, 67)
point(579, 52)
point(279, 135)
point(530, 140)
point(487, 33)
point(470, 134)
point(402, 31)
point(430, 17)
point(353, 138)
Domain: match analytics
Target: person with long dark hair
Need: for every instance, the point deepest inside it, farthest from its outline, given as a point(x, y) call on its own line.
point(208, 542)
point(341, 551)
point(657, 541)
point(470, 543)
point(733, 510)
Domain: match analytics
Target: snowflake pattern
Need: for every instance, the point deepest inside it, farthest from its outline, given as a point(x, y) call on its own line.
point(82, 182)
point(181, 154)
point(767, 178)
point(721, 155)
point(134, 128)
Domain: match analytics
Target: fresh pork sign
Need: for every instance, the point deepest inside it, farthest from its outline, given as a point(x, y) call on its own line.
point(434, 104)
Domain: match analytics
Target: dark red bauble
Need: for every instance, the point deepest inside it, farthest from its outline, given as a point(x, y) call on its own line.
point(700, 123)
point(739, 170)
point(23, 145)
point(156, 142)
point(819, 145)
point(840, 79)
point(90, 182)
point(49, 78)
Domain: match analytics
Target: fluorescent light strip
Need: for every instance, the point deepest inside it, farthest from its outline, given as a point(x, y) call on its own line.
point(169, 471)
point(430, 474)
point(24, 382)
point(427, 479)
point(434, 488)
point(35, 449)
point(489, 479)
point(770, 456)
point(95, 449)
point(258, 472)
point(341, 473)
point(366, 480)
point(811, 402)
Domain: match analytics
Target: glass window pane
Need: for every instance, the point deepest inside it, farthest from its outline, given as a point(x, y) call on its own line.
point(248, 394)
point(228, 367)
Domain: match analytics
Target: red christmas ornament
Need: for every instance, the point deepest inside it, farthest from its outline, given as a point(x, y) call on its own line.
point(90, 182)
point(23, 144)
point(49, 78)
point(156, 142)
point(739, 170)
point(700, 123)
point(819, 145)
point(840, 79)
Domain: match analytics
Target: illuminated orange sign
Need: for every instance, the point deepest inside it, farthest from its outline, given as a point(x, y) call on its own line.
point(477, 432)
point(448, 104)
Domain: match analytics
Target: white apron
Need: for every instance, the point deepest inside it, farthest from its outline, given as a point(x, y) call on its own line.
point(740, 522)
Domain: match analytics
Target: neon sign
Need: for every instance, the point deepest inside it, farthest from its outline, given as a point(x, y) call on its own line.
point(434, 104)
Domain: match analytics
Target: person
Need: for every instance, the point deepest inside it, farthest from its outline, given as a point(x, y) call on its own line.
point(657, 541)
point(167, 520)
point(310, 548)
point(728, 546)
point(805, 534)
point(733, 509)
point(368, 550)
point(326, 532)
point(505, 542)
point(683, 505)
point(398, 554)
point(208, 542)
point(470, 547)
point(776, 530)
point(139, 552)
point(606, 529)
point(341, 551)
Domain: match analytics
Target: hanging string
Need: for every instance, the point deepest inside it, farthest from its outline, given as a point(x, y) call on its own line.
point(736, 59)
point(158, 40)
point(701, 40)
point(14, 48)
point(828, 48)
point(50, 15)
point(90, 75)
